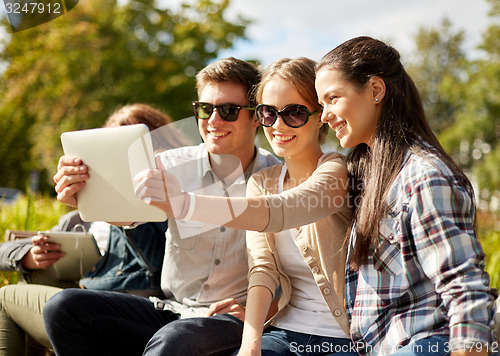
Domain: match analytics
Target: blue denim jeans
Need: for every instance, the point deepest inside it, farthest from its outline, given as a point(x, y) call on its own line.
point(84, 322)
point(280, 342)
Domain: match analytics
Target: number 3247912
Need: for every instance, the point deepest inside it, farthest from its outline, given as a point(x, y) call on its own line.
point(33, 8)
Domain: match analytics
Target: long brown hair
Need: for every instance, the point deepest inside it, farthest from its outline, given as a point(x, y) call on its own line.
point(402, 126)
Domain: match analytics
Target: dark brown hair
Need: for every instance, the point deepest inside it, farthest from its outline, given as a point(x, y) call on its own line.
point(301, 74)
point(230, 70)
point(402, 126)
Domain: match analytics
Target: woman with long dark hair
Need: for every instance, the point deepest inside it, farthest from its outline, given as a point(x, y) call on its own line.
point(415, 279)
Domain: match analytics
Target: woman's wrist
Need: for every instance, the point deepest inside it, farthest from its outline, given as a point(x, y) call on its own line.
point(188, 206)
point(28, 262)
point(251, 345)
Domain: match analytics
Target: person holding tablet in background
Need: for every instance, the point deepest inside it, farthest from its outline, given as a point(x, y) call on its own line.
point(131, 261)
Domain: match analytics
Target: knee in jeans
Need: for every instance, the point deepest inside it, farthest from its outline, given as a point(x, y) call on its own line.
point(60, 302)
point(175, 332)
point(175, 338)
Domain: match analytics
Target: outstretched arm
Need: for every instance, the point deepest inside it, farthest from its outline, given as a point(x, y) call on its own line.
point(323, 194)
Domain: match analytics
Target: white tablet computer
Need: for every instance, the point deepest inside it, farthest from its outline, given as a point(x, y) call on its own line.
point(114, 156)
point(81, 251)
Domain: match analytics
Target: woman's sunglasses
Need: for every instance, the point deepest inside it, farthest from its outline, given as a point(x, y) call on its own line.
point(227, 112)
point(294, 115)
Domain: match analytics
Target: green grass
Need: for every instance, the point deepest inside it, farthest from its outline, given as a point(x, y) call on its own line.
point(30, 212)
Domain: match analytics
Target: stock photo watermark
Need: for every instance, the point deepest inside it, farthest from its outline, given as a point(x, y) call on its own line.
point(26, 14)
point(432, 347)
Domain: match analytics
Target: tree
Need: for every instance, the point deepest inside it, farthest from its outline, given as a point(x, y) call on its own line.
point(462, 98)
point(487, 171)
point(72, 72)
point(439, 59)
point(475, 135)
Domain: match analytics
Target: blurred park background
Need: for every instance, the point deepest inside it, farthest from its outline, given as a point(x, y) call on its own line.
point(73, 72)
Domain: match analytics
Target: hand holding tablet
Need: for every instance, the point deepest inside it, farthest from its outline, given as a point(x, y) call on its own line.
point(81, 254)
point(113, 156)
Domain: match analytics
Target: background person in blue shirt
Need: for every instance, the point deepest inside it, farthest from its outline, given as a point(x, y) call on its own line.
point(131, 262)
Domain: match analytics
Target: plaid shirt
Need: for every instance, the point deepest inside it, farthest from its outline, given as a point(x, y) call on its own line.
point(426, 275)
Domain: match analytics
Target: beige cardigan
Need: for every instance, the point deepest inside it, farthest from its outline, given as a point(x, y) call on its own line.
point(319, 205)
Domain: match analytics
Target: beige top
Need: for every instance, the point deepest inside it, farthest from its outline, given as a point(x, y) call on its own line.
point(320, 207)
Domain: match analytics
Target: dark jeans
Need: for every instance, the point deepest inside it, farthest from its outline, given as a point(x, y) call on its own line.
point(281, 342)
point(93, 323)
point(219, 335)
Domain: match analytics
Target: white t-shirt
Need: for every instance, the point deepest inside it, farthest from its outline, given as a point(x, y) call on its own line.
point(101, 230)
point(307, 311)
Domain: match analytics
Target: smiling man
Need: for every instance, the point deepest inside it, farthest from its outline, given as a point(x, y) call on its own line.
point(204, 273)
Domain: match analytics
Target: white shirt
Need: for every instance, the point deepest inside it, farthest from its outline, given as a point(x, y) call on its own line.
point(307, 311)
point(205, 263)
point(100, 230)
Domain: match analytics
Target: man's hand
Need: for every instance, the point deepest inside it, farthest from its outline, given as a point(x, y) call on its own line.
point(229, 306)
point(70, 178)
point(43, 254)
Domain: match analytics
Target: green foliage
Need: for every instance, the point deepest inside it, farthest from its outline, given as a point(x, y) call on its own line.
point(475, 132)
point(489, 236)
point(488, 171)
point(495, 7)
point(491, 244)
point(32, 213)
point(462, 98)
point(74, 71)
point(439, 60)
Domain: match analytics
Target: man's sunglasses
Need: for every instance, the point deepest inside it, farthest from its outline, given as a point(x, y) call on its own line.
point(294, 115)
point(227, 112)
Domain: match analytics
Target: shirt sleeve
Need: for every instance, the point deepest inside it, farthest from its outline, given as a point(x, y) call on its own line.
point(262, 267)
point(324, 193)
point(442, 219)
point(11, 254)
